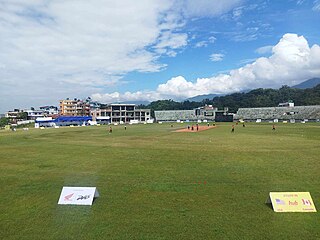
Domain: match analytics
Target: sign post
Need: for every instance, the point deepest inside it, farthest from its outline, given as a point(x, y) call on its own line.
point(78, 195)
point(291, 202)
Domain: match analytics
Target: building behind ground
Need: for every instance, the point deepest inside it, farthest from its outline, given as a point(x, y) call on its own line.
point(286, 104)
point(74, 107)
point(63, 121)
point(121, 113)
point(24, 114)
point(14, 114)
point(207, 112)
point(32, 114)
point(87, 112)
point(285, 113)
point(49, 110)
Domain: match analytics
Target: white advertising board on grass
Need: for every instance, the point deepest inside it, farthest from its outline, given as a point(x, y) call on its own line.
point(78, 195)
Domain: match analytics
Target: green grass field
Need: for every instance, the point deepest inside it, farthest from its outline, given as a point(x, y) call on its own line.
point(158, 184)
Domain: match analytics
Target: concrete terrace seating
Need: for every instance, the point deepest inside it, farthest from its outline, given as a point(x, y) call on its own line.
point(281, 113)
point(175, 115)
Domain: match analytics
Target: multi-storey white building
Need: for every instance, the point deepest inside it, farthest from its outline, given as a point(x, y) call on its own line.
point(26, 114)
point(49, 110)
point(33, 114)
point(117, 113)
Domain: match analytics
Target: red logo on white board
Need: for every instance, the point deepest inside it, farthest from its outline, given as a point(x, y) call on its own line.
point(67, 198)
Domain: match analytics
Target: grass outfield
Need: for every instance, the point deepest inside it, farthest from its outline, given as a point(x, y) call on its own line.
point(158, 184)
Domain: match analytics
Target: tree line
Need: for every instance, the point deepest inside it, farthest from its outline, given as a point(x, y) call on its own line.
point(255, 98)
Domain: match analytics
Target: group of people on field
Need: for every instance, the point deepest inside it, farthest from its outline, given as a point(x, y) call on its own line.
point(110, 129)
point(197, 127)
point(243, 125)
point(192, 127)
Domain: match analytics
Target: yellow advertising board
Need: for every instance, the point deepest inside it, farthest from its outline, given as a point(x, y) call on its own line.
point(291, 202)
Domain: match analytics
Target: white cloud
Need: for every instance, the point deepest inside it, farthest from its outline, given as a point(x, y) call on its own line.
point(169, 41)
point(57, 45)
point(264, 49)
point(66, 48)
point(246, 61)
point(211, 40)
point(127, 96)
point(249, 34)
point(300, 2)
point(292, 60)
point(209, 8)
point(316, 6)
point(201, 44)
point(216, 57)
point(177, 87)
point(73, 48)
point(237, 13)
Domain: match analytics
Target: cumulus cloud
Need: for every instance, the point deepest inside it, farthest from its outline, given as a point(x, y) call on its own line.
point(292, 61)
point(127, 96)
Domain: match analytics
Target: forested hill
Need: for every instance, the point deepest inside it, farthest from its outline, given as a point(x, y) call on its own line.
point(256, 98)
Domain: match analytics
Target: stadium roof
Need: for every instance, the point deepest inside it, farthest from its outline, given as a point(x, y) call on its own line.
point(66, 119)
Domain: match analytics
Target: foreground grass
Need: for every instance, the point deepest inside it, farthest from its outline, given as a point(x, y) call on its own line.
point(158, 184)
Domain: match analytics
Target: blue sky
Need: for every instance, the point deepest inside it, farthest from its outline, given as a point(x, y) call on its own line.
point(152, 49)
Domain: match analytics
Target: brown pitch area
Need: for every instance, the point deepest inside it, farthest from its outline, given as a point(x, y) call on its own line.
point(201, 128)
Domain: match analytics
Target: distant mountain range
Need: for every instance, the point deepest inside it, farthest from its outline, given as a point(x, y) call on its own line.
point(256, 98)
point(199, 98)
point(310, 83)
point(134, 102)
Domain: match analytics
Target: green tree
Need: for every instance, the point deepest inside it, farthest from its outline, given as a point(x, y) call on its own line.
point(256, 98)
point(4, 121)
point(23, 115)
